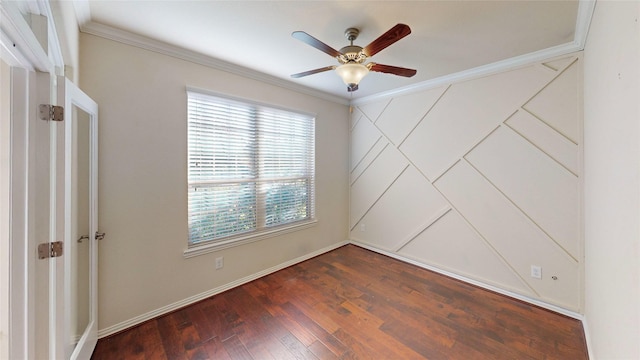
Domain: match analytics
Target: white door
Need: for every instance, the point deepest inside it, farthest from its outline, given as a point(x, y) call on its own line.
point(63, 207)
point(80, 325)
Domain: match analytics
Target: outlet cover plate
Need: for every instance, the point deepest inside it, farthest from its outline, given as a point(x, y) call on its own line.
point(536, 272)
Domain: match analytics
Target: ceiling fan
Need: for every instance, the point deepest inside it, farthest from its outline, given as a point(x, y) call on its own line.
point(352, 58)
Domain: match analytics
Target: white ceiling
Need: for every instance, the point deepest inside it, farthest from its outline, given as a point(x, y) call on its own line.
point(447, 36)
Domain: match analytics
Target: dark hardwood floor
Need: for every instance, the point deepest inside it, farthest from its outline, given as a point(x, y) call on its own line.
point(352, 303)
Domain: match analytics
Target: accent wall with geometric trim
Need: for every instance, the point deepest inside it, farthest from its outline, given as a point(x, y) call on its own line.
point(480, 178)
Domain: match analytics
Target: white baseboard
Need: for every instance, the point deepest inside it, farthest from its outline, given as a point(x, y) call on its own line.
point(542, 304)
point(587, 337)
point(193, 299)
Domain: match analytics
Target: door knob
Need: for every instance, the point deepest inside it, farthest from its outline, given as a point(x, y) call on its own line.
point(99, 235)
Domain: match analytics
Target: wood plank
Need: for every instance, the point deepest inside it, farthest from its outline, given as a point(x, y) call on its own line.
point(222, 317)
point(257, 332)
point(210, 344)
point(151, 341)
point(236, 349)
point(216, 349)
point(171, 337)
point(321, 333)
point(321, 351)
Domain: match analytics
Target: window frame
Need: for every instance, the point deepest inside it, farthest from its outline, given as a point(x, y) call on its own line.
point(261, 231)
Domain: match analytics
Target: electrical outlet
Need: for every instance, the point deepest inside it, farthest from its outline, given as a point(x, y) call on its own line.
point(536, 272)
point(219, 263)
point(362, 227)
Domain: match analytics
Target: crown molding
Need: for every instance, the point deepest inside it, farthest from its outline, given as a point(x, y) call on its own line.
point(83, 12)
point(583, 21)
point(484, 70)
point(146, 43)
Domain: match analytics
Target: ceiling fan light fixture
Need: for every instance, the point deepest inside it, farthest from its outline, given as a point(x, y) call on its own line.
point(353, 57)
point(352, 73)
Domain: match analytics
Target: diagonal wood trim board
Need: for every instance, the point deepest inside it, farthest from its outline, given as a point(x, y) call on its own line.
point(198, 297)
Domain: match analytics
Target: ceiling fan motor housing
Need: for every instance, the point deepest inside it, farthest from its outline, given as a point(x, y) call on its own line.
point(352, 54)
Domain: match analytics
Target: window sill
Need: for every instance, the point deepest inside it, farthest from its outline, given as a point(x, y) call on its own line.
point(207, 248)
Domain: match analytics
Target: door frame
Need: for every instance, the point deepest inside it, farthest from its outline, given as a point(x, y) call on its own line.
point(21, 49)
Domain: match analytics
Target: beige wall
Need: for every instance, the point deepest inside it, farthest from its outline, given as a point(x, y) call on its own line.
point(143, 179)
point(480, 178)
point(612, 180)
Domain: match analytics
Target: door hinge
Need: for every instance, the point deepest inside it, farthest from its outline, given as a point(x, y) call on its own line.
point(51, 112)
point(49, 250)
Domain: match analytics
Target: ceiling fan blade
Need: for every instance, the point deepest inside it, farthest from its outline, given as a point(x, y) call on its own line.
point(400, 71)
point(394, 34)
point(314, 71)
point(310, 40)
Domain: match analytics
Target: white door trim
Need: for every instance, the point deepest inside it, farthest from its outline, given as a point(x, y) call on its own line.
point(20, 333)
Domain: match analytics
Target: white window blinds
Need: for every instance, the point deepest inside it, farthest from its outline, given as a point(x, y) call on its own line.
point(251, 168)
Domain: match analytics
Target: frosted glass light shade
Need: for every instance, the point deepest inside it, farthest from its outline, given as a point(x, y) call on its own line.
point(351, 74)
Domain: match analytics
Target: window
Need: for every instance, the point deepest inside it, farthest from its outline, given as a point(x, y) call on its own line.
point(251, 169)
